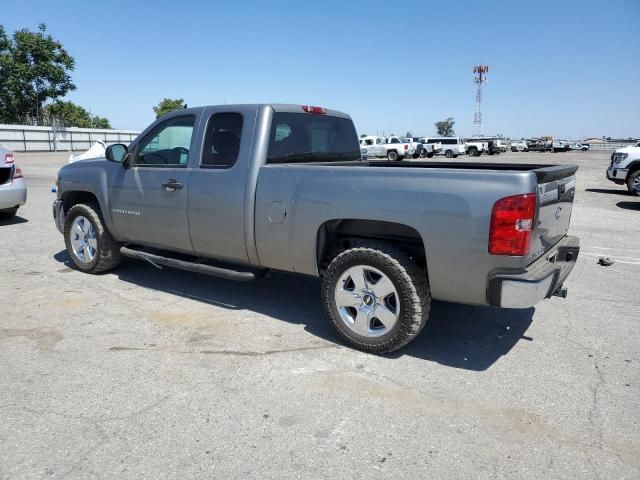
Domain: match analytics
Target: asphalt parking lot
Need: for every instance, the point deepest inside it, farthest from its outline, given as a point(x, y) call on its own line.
point(144, 374)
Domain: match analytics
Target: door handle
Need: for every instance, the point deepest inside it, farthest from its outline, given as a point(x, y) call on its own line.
point(171, 185)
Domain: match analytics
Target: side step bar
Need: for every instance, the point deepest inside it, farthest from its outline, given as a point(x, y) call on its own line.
point(157, 260)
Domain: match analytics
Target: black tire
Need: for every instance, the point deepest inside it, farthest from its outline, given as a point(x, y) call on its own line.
point(392, 155)
point(430, 155)
point(9, 213)
point(448, 154)
point(409, 280)
point(423, 153)
point(455, 155)
point(473, 152)
point(514, 149)
point(631, 178)
point(107, 251)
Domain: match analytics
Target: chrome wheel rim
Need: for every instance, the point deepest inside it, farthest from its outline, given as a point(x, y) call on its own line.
point(83, 239)
point(367, 301)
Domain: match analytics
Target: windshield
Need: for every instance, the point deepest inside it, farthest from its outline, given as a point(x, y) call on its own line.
point(306, 138)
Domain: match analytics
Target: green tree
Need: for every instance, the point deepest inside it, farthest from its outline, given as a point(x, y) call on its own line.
point(34, 68)
point(408, 134)
point(168, 105)
point(363, 135)
point(444, 128)
point(71, 115)
point(101, 122)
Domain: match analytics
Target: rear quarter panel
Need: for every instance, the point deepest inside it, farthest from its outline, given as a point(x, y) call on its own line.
point(449, 208)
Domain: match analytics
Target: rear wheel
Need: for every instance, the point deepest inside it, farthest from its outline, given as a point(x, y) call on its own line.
point(377, 297)
point(514, 149)
point(448, 154)
point(392, 155)
point(473, 152)
point(633, 180)
point(88, 242)
point(430, 155)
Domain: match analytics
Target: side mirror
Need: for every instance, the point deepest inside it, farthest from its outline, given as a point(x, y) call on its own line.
point(116, 152)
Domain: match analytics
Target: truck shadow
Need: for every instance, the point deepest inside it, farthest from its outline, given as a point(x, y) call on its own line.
point(611, 191)
point(460, 336)
point(12, 221)
point(629, 205)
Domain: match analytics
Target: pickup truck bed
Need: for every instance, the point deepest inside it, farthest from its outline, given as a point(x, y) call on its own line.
point(284, 187)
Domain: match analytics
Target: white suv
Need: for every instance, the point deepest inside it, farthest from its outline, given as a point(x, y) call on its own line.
point(625, 168)
point(451, 146)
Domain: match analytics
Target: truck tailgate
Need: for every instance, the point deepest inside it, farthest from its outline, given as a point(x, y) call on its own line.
point(556, 192)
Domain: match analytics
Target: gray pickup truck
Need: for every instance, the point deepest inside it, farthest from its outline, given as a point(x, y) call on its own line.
point(236, 190)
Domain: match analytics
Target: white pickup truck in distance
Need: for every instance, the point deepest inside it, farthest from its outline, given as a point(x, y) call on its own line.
point(392, 148)
point(476, 148)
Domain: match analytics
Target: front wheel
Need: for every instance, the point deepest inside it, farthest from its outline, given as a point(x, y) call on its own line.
point(377, 297)
point(633, 180)
point(88, 242)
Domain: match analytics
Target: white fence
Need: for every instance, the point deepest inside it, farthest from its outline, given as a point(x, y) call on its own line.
point(611, 145)
point(22, 138)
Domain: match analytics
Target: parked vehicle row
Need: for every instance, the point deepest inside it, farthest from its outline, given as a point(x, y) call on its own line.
point(546, 144)
point(395, 148)
point(13, 189)
point(398, 148)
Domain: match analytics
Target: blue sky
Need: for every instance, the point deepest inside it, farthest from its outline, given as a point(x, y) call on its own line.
point(564, 68)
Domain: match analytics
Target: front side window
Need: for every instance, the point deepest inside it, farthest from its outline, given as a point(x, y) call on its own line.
point(222, 140)
point(306, 138)
point(168, 144)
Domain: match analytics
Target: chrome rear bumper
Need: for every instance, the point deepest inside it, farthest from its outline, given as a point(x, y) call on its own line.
point(540, 280)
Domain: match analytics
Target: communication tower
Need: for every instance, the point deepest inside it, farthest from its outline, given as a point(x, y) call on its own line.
point(479, 78)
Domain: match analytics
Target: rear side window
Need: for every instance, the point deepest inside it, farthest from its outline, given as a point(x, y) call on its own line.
point(222, 140)
point(306, 138)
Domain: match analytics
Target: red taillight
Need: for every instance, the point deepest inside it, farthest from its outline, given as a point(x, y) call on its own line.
point(406, 147)
point(17, 173)
point(316, 110)
point(511, 225)
point(8, 158)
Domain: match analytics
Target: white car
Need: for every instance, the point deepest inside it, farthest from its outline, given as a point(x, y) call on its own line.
point(97, 150)
point(521, 146)
point(13, 189)
point(579, 146)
